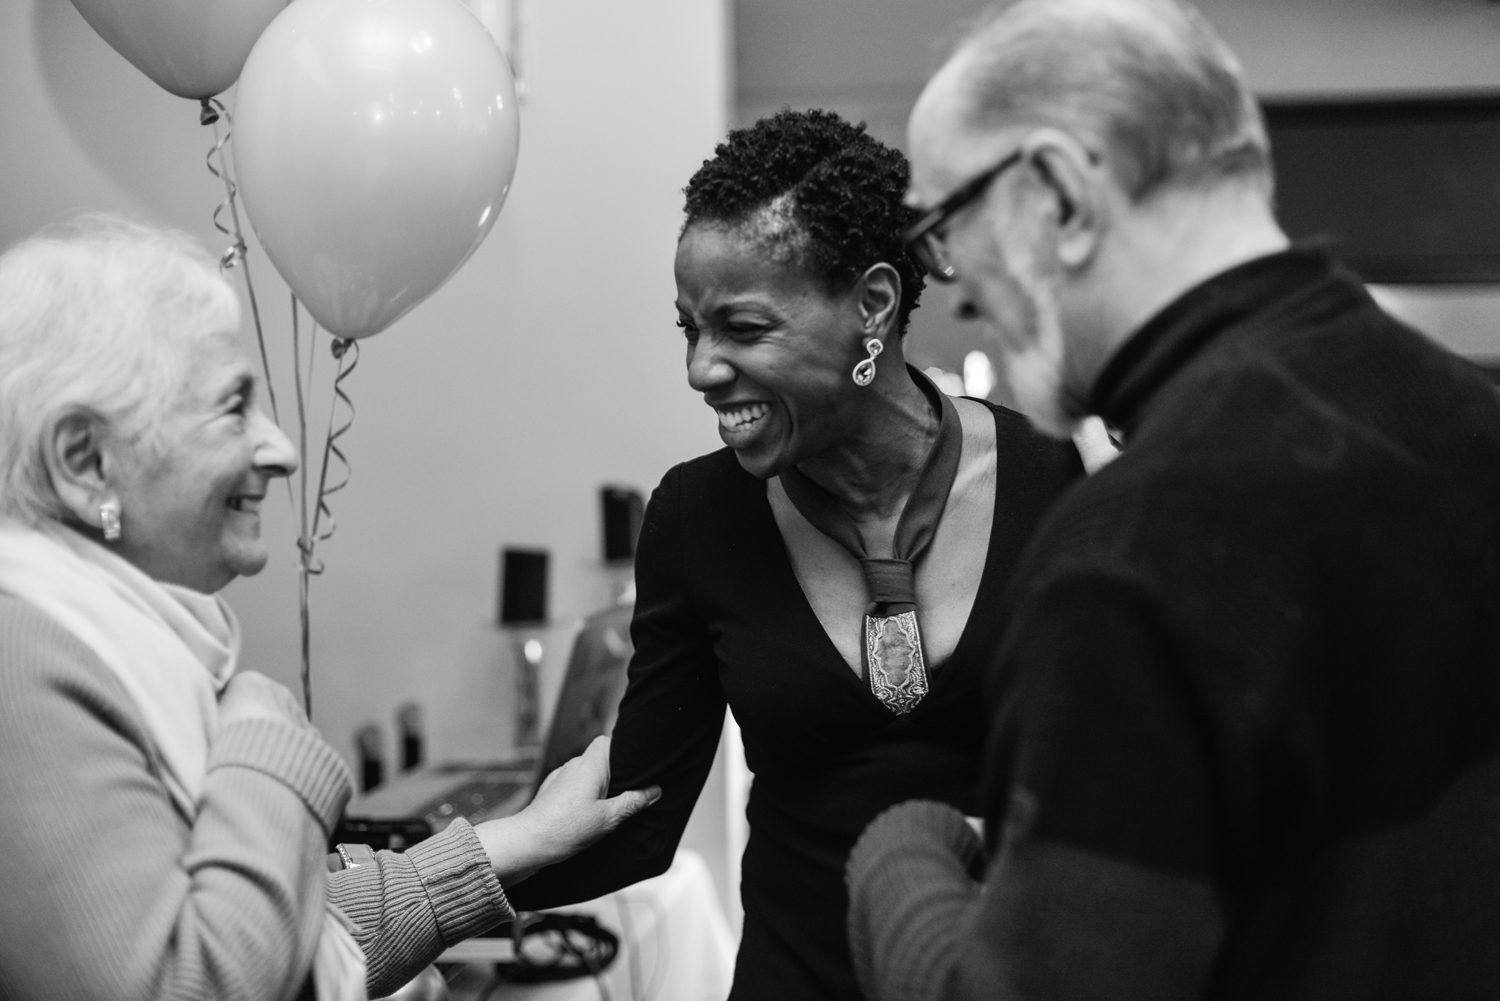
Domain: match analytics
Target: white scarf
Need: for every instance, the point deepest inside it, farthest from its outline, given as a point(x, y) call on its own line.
point(174, 649)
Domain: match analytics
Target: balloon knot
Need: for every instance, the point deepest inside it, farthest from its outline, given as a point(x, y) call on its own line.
point(340, 345)
point(207, 113)
point(311, 567)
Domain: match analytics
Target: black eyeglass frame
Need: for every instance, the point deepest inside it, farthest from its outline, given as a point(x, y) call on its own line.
point(921, 235)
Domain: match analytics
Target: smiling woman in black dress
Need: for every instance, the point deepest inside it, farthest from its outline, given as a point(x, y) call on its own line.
point(855, 681)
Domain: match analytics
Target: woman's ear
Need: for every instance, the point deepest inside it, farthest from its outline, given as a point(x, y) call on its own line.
point(879, 298)
point(1070, 174)
point(75, 460)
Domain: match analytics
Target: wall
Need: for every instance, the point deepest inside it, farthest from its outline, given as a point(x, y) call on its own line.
point(874, 55)
point(868, 59)
point(490, 414)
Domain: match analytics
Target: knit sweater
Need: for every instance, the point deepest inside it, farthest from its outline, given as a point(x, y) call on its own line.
point(108, 891)
point(1243, 731)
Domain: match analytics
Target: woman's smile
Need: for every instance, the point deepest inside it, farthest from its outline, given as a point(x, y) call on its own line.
point(739, 424)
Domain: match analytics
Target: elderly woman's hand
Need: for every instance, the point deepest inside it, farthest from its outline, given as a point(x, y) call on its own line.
point(568, 814)
point(251, 695)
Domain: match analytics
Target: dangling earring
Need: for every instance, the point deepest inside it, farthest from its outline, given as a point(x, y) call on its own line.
point(864, 372)
point(109, 520)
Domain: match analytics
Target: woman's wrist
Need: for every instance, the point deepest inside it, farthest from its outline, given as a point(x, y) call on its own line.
point(511, 849)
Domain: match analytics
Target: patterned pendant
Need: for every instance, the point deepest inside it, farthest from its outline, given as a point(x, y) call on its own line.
point(893, 660)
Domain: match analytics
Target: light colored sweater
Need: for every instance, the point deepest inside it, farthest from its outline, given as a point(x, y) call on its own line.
point(107, 891)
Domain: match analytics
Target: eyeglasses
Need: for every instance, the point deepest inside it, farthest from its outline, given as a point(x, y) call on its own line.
point(924, 240)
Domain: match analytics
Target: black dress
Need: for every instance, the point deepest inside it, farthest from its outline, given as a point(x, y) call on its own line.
point(721, 619)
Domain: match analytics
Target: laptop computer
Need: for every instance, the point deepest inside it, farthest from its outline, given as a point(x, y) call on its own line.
point(587, 704)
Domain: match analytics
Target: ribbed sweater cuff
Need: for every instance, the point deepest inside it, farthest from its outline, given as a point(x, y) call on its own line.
point(455, 871)
point(917, 825)
point(909, 876)
point(296, 756)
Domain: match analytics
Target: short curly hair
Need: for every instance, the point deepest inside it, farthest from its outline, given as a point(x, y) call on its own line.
point(837, 188)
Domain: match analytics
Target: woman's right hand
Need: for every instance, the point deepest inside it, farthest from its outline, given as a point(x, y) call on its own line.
point(570, 812)
point(252, 695)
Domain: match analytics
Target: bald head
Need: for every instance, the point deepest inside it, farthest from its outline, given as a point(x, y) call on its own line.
point(1146, 84)
point(1141, 169)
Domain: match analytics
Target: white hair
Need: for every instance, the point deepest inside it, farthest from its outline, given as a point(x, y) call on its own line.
point(1147, 82)
point(100, 316)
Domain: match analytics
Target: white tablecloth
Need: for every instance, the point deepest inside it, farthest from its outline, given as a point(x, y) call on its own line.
point(675, 945)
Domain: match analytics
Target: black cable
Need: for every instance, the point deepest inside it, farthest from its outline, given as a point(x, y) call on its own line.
point(558, 946)
point(590, 963)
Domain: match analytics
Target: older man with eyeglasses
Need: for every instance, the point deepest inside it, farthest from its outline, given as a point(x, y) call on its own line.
point(1245, 725)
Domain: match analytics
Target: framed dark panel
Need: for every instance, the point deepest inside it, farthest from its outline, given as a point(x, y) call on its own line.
point(1408, 188)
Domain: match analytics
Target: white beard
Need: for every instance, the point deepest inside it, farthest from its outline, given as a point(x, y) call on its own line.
point(1035, 377)
point(1035, 373)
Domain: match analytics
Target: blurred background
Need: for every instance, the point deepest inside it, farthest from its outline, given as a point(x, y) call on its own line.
point(491, 415)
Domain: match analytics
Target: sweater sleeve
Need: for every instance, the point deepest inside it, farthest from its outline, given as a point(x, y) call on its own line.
point(106, 890)
point(668, 727)
point(1099, 888)
point(405, 908)
point(910, 882)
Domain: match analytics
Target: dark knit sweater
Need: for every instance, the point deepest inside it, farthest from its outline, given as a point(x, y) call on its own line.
point(1245, 732)
point(721, 619)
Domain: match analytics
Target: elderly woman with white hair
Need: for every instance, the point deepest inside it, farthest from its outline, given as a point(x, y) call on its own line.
point(166, 818)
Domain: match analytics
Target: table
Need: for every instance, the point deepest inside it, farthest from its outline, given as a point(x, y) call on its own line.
point(675, 945)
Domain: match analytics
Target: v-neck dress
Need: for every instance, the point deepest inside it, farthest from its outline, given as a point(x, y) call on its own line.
point(720, 620)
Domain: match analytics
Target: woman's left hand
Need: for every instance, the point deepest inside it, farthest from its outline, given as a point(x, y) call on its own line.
point(568, 814)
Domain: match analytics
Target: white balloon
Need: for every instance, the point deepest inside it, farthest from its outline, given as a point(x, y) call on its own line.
point(192, 48)
point(374, 145)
